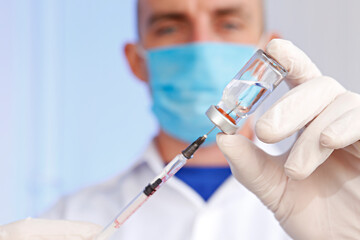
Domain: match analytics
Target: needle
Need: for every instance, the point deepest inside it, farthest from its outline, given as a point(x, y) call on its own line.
point(209, 132)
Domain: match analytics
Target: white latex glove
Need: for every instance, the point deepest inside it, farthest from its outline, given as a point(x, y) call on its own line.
point(41, 229)
point(314, 189)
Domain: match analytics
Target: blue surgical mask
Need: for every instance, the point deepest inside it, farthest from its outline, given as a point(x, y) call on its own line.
point(186, 79)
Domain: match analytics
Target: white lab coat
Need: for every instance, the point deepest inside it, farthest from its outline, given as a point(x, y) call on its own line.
point(175, 211)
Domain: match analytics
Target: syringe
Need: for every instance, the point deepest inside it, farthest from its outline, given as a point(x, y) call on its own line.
point(170, 169)
point(254, 82)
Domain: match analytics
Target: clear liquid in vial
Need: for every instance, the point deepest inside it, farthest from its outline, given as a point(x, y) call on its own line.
point(242, 97)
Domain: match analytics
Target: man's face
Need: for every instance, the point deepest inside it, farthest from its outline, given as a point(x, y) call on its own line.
point(171, 22)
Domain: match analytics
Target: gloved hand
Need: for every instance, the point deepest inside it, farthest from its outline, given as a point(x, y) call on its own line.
point(41, 229)
point(314, 189)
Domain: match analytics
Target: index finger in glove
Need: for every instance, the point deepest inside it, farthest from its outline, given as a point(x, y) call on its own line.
point(298, 65)
point(297, 108)
point(308, 152)
point(345, 130)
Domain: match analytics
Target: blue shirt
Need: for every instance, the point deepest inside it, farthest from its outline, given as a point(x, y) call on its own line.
point(204, 180)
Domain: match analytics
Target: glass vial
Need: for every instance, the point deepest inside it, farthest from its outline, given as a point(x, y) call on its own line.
point(248, 89)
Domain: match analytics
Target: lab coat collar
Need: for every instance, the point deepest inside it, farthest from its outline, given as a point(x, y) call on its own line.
point(152, 156)
point(152, 160)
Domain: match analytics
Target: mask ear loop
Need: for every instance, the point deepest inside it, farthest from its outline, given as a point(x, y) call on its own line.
point(141, 51)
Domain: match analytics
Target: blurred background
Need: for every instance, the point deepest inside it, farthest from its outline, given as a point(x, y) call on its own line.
point(71, 113)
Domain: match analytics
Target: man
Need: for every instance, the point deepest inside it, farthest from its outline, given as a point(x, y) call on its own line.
point(186, 50)
point(181, 210)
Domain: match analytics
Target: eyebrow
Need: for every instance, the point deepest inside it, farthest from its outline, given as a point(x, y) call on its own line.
point(165, 16)
point(239, 11)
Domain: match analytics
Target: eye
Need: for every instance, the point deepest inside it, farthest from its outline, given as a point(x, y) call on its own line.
point(230, 26)
point(230, 23)
point(166, 30)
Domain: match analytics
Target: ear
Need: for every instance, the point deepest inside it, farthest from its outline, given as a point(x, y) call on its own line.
point(266, 38)
point(136, 62)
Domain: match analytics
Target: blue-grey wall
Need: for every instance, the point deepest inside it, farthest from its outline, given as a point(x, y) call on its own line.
point(69, 106)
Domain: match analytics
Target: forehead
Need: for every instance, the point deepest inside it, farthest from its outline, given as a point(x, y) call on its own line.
point(183, 5)
point(146, 8)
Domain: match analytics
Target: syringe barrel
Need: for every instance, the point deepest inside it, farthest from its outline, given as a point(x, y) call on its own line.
point(170, 170)
point(246, 91)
